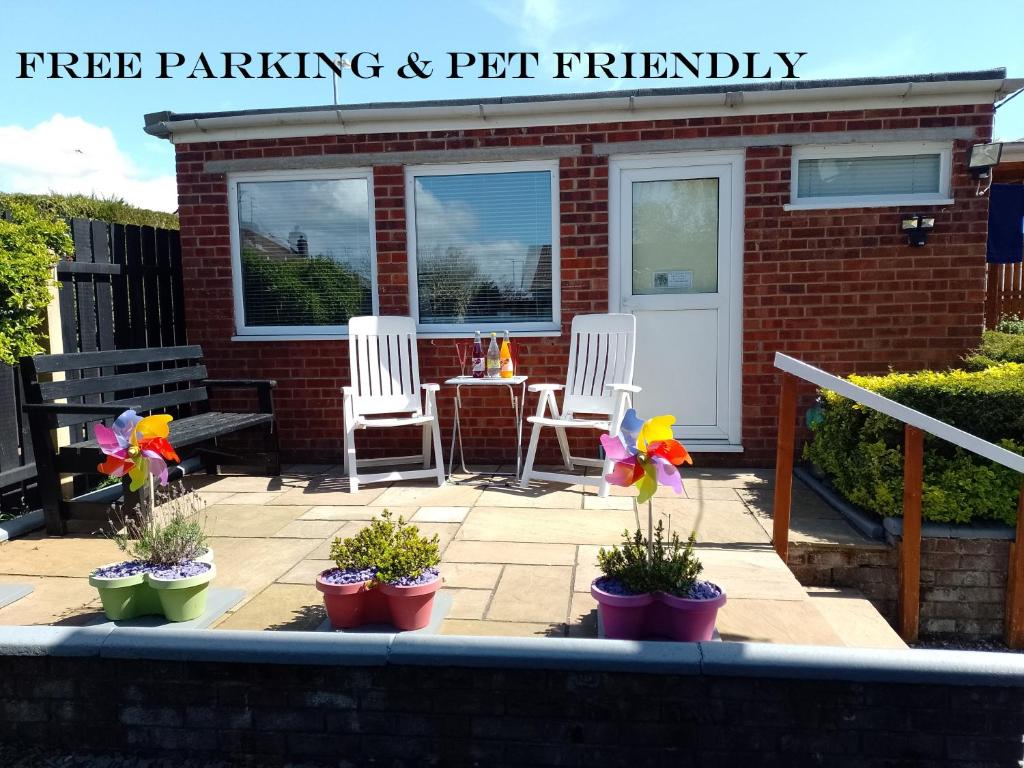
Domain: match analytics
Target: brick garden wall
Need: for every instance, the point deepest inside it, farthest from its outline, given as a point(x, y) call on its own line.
point(963, 581)
point(838, 288)
point(269, 714)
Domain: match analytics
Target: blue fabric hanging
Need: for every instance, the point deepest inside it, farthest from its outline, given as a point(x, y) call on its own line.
point(1006, 224)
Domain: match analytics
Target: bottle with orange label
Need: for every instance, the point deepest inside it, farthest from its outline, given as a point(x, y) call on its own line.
point(506, 358)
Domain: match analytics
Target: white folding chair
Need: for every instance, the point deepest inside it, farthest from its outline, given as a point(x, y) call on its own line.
point(386, 380)
point(599, 387)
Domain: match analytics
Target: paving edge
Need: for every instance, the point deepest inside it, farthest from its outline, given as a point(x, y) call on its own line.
point(860, 520)
point(711, 659)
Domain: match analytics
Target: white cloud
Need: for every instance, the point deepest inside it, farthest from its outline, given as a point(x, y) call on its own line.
point(70, 155)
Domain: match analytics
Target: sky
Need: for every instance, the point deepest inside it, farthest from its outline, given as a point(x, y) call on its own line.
point(86, 135)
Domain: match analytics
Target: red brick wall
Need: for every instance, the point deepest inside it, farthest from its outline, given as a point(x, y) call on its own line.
point(838, 288)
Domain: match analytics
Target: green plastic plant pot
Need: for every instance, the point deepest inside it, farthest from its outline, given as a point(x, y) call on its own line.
point(125, 597)
point(182, 599)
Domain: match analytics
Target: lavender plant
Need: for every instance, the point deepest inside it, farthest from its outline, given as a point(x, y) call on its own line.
point(171, 532)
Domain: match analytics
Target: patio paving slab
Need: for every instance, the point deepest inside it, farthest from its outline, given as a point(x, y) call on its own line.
point(352, 513)
point(248, 520)
point(440, 515)
point(52, 599)
point(854, 618)
point(792, 622)
point(13, 592)
point(309, 529)
point(468, 603)
point(511, 552)
point(306, 572)
point(501, 628)
point(410, 495)
point(471, 575)
point(248, 483)
point(332, 490)
point(539, 497)
point(532, 594)
point(715, 521)
point(293, 607)
point(253, 564)
point(586, 568)
point(582, 616)
point(754, 573)
point(38, 555)
point(569, 526)
point(258, 497)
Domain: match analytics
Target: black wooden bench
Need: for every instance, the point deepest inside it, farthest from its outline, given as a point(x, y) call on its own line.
point(98, 386)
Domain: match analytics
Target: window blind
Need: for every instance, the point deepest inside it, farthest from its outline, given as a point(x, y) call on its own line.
point(868, 176)
point(484, 248)
point(305, 252)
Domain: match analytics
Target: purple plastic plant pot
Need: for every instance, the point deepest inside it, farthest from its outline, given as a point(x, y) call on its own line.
point(623, 616)
point(410, 607)
point(684, 619)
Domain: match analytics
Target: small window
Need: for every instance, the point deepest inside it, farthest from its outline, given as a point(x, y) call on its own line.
point(865, 175)
point(483, 250)
point(303, 252)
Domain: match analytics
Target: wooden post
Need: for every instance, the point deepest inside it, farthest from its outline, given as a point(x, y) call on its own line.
point(910, 549)
point(992, 296)
point(1015, 582)
point(784, 466)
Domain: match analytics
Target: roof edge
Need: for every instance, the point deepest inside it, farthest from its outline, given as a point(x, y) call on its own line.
point(969, 87)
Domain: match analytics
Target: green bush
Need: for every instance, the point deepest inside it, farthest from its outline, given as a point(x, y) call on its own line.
point(393, 547)
point(996, 347)
point(112, 209)
point(1011, 324)
point(30, 246)
point(303, 291)
point(670, 566)
point(861, 450)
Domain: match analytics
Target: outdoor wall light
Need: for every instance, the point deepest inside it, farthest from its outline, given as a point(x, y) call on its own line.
point(916, 228)
point(981, 158)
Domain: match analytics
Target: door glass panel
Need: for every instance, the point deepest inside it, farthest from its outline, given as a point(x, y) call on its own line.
point(675, 236)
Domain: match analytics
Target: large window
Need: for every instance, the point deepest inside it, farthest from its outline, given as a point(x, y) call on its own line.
point(303, 252)
point(855, 175)
point(483, 251)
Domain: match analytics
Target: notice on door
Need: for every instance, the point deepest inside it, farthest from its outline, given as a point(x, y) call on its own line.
point(674, 280)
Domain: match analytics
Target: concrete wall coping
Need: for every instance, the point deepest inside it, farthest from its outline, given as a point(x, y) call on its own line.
point(711, 659)
point(894, 526)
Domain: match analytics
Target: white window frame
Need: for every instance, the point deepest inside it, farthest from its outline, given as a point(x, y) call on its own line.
point(465, 169)
point(293, 332)
point(887, 149)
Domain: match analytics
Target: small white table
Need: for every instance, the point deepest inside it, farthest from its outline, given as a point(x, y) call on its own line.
point(518, 402)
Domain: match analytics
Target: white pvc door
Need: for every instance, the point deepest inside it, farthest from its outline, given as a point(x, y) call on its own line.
point(676, 259)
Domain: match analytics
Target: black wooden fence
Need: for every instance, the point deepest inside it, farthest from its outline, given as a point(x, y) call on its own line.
point(122, 290)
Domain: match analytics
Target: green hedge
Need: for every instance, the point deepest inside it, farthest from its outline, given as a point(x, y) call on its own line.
point(861, 451)
point(996, 348)
point(113, 209)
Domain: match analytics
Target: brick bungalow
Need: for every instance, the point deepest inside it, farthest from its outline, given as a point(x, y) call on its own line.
point(734, 221)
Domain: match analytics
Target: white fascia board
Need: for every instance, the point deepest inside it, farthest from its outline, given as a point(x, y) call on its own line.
point(395, 119)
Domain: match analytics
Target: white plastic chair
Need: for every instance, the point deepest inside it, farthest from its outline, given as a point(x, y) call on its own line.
point(599, 386)
point(386, 380)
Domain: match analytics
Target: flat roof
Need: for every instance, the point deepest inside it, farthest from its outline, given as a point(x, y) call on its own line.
point(965, 86)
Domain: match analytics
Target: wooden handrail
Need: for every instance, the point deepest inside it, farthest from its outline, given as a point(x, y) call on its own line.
point(915, 425)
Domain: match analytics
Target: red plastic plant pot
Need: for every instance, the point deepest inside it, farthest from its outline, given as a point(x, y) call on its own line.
point(410, 607)
point(349, 605)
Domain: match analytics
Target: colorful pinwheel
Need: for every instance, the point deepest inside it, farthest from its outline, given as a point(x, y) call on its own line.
point(645, 455)
point(136, 447)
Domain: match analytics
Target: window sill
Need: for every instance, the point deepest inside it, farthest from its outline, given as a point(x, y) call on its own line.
point(867, 203)
point(433, 335)
point(711, 447)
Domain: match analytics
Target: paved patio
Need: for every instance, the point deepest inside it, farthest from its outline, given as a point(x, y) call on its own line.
point(514, 562)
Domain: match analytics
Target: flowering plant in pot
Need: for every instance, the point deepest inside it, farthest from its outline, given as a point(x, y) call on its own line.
point(170, 565)
point(649, 585)
point(386, 573)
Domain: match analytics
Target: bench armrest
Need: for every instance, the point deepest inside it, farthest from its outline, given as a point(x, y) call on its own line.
point(271, 383)
point(623, 388)
point(546, 387)
point(263, 389)
point(107, 408)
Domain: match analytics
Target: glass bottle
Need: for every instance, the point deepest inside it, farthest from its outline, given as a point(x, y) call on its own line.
point(506, 358)
point(493, 358)
point(478, 357)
